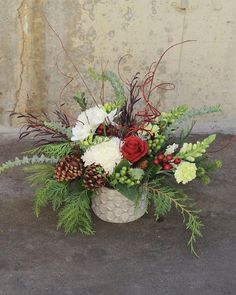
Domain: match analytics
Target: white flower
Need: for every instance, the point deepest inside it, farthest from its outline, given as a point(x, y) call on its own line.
point(80, 132)
point(92, 117)
point(171, 149)
point(89, 120)
point(107, 154)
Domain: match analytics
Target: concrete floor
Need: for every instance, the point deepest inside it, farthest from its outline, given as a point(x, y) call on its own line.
point(140, 258)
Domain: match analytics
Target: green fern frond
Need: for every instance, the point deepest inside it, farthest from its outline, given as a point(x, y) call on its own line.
point(191, 151)
point(53, 150)
point(27, 161)
point(76, 214)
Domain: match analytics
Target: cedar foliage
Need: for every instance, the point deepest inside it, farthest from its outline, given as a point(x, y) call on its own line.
point(164, 197)
point(54, 149)
point(75, 215)
point(73, 205)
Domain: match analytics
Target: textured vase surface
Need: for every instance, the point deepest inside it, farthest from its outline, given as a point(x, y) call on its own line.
point(111, 206)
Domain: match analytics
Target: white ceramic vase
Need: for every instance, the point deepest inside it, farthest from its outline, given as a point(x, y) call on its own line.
point(111, 206)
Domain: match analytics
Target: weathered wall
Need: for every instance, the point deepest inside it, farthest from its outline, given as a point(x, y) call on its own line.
point(204, 72)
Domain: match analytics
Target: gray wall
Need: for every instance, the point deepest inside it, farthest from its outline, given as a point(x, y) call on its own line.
point(204, 72)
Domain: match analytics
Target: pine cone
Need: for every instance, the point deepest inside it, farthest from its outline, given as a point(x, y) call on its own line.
point(69, 168)
point(94, 177)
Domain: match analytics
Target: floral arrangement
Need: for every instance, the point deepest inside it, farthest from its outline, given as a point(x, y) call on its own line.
point(117, 145)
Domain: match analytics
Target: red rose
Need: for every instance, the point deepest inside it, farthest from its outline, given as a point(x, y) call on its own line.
point(134, 148)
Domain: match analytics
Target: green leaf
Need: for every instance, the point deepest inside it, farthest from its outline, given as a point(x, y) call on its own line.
point(136, 173)
point(123, 163)
point(132, 193)
point(81, 100)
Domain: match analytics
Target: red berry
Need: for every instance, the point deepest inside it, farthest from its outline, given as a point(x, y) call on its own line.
point(169, 157)
point(108, 132)
point(156, 161)
point(100, 127)
point(160, 157)
point(99, 132)
point(167, 166)
point(177, 161)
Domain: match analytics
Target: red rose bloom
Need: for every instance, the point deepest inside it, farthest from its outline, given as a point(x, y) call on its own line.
point(134, 148)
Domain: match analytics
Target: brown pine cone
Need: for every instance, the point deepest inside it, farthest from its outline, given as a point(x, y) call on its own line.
point(94, 177)
point(69, 168)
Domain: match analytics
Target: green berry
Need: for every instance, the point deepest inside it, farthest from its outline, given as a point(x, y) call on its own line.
point(117, 175)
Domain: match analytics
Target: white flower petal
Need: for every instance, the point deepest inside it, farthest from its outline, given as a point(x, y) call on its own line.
point(80, 132)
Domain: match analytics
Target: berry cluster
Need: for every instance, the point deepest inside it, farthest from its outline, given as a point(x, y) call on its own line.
point(156, 143)
point(124, 177)
point(166, 161)
point(106, 130)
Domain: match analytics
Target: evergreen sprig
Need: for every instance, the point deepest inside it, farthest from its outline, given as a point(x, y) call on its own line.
point(164, 197)
point(39, 173)
point(53, 150)
point(75, 215)
point(52, 191)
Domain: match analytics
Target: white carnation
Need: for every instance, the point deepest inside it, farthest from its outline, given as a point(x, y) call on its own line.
point(171, 149)
point(107, 154)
